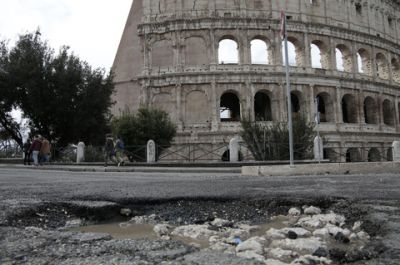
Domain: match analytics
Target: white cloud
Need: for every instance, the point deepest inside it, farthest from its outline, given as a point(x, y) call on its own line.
point(92, 28)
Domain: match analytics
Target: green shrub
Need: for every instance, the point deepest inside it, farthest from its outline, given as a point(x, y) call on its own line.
point(136, 129)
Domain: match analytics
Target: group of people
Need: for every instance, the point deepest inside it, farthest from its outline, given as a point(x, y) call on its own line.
point(39, 150)
point(114, 151)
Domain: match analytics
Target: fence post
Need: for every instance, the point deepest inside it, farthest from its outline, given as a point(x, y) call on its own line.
point(234, 149)
point(318, 148)
point(396, 151)
point(80, 152)
point(151, 151)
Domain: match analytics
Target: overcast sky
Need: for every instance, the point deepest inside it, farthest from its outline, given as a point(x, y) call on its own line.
point(92, 28)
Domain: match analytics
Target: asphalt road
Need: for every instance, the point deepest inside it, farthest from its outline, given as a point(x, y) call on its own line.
point(60, 185)
point(22, 187)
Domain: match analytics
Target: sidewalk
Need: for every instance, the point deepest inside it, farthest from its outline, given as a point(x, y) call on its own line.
point(129, 168)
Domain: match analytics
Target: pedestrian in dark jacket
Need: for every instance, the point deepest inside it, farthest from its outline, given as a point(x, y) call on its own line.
point(109, 150)
point(35, 149)
point(27, 153)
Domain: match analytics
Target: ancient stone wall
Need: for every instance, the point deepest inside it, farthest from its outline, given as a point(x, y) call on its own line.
point(346, 53)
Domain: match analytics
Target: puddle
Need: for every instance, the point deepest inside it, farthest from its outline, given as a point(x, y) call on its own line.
point(127, 230)
point(120, 230)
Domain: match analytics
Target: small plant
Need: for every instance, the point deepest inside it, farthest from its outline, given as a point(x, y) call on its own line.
point(268, 141)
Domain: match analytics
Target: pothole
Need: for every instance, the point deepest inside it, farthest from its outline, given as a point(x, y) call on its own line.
point(323, 231)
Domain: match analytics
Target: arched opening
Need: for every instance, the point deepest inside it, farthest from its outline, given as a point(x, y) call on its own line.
point(294, 59)
point(374, 155)
point(388, 112)
point(325, 107)
point(229, 107)
point(329, 153)
point(353, 155)
point(226, 156)
point(319, 55)
point(262, 107)
point(296, 105)
point(315, 56)
point(370, 111)
point(382, 68)
point(343, 58)
point(396, 70)
point(259, 52)
point(364, 62)
point(389, 154)
point(349, 110)
point(228, 52)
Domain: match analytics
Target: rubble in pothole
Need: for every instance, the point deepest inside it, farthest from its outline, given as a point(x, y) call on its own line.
point(303, 236)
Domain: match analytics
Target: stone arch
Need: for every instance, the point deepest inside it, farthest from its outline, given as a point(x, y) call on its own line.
point(295, 51)
point(349, 109)
point(370, 111)
point(389, 154)
point(229, 107)
point(364, 62)
point(388, 112)
point(262, 106)
point(196, 52)
point(162, 53)
point(382, 66)
point(298, 105)
point(260, 51)
point(228, 50)
point(226, 156)
point(165, 102)
point(396, 70)
point(374, 155)
point(197, 107)
point(325, 107)
point(353, 155)
point(319, 55)
point(344, 60)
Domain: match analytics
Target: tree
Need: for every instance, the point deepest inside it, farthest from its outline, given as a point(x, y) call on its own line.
point(63, 97)
point(136, 129)
point(271, 141)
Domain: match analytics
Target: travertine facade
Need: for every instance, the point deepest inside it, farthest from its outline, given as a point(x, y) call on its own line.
point(169, 58)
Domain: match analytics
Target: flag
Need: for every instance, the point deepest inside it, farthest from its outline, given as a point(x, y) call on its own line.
point(283, 24)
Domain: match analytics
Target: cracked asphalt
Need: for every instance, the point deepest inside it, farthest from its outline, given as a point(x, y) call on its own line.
point(23, 189)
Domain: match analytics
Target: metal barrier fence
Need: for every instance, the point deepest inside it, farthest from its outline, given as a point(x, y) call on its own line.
point(191, 152)
point(212, 152)
point(9, 149)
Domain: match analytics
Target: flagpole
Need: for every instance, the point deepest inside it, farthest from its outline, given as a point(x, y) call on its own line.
point(317, 121)
point(289, 100)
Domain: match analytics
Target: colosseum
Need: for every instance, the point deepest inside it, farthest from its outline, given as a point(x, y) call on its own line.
point(210, 62)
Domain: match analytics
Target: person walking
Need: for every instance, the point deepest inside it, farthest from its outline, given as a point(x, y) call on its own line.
point(120, 151)
point(35, 149)
point(27, 153)
point(109, 151)
point(45, 151)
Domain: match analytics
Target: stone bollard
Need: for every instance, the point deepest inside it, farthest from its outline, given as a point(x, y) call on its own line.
point(151, 151)
point(396, 151)
point(318, 148)
point(234, 149)
point(80, 152)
